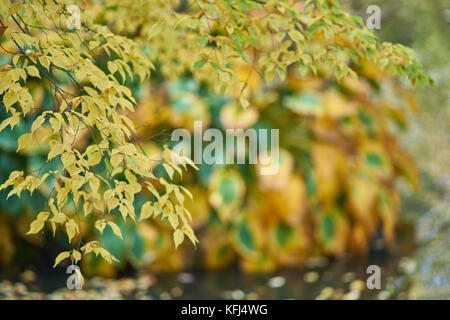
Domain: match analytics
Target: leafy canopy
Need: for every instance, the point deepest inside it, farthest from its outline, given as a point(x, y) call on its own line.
point(89, 71)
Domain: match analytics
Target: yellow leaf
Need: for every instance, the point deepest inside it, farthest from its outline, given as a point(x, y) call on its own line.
point(25, 140)
point(112, 67)
point(53, 224)
point(173, 219)
point(112, 203)
point(6, 123)
point(169, 170)
point(45, 61)
point(100, 225)
point(178, 237)
point(12, 178)
point(94, 157)
point(89, 247)
point(244, 102)
point(76, 255)
point(190, 233)
point(9, 98)
point(63, 255)
point(105, 254)
point(115, 228)
point(59, 217)
point(15, 7)
point(71, 229)
point(189, 194)
point(179, 196)
point(37, 123)
point(154, 30)
point(68, 158)
point(94, 183)
point(123, 211)
point(80, 276)
point(153, 190)
point(146, 211)
point(33, 71)
point(56, 149)
point(38, 224)
point(116, 159)
point(108, 194)
point(56, 125)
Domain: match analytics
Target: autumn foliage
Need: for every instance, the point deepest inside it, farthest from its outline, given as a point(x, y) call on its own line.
point(92, 106)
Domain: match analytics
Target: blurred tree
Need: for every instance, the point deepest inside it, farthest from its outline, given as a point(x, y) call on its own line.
point(67, 94)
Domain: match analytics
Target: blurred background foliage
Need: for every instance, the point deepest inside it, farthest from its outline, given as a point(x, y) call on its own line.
point(341, 159)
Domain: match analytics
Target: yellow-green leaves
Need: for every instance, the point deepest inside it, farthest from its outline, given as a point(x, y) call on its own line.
point(13, 177)
point(178, 235)
point(95, 248)
point(38, 224)
point(154, 30)
point(189, 232)
point(88, 129)
point(85, 127)
point(74, 255)
point(105, 255)
point(21, 183)
point(101, 224)
point(11, 121)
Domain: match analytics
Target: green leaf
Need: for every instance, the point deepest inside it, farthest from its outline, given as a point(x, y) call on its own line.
point(284, 233)
point(374, 159)
point(304, 103)
point(245, 237)
point(203, 41)
point(198, 64)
